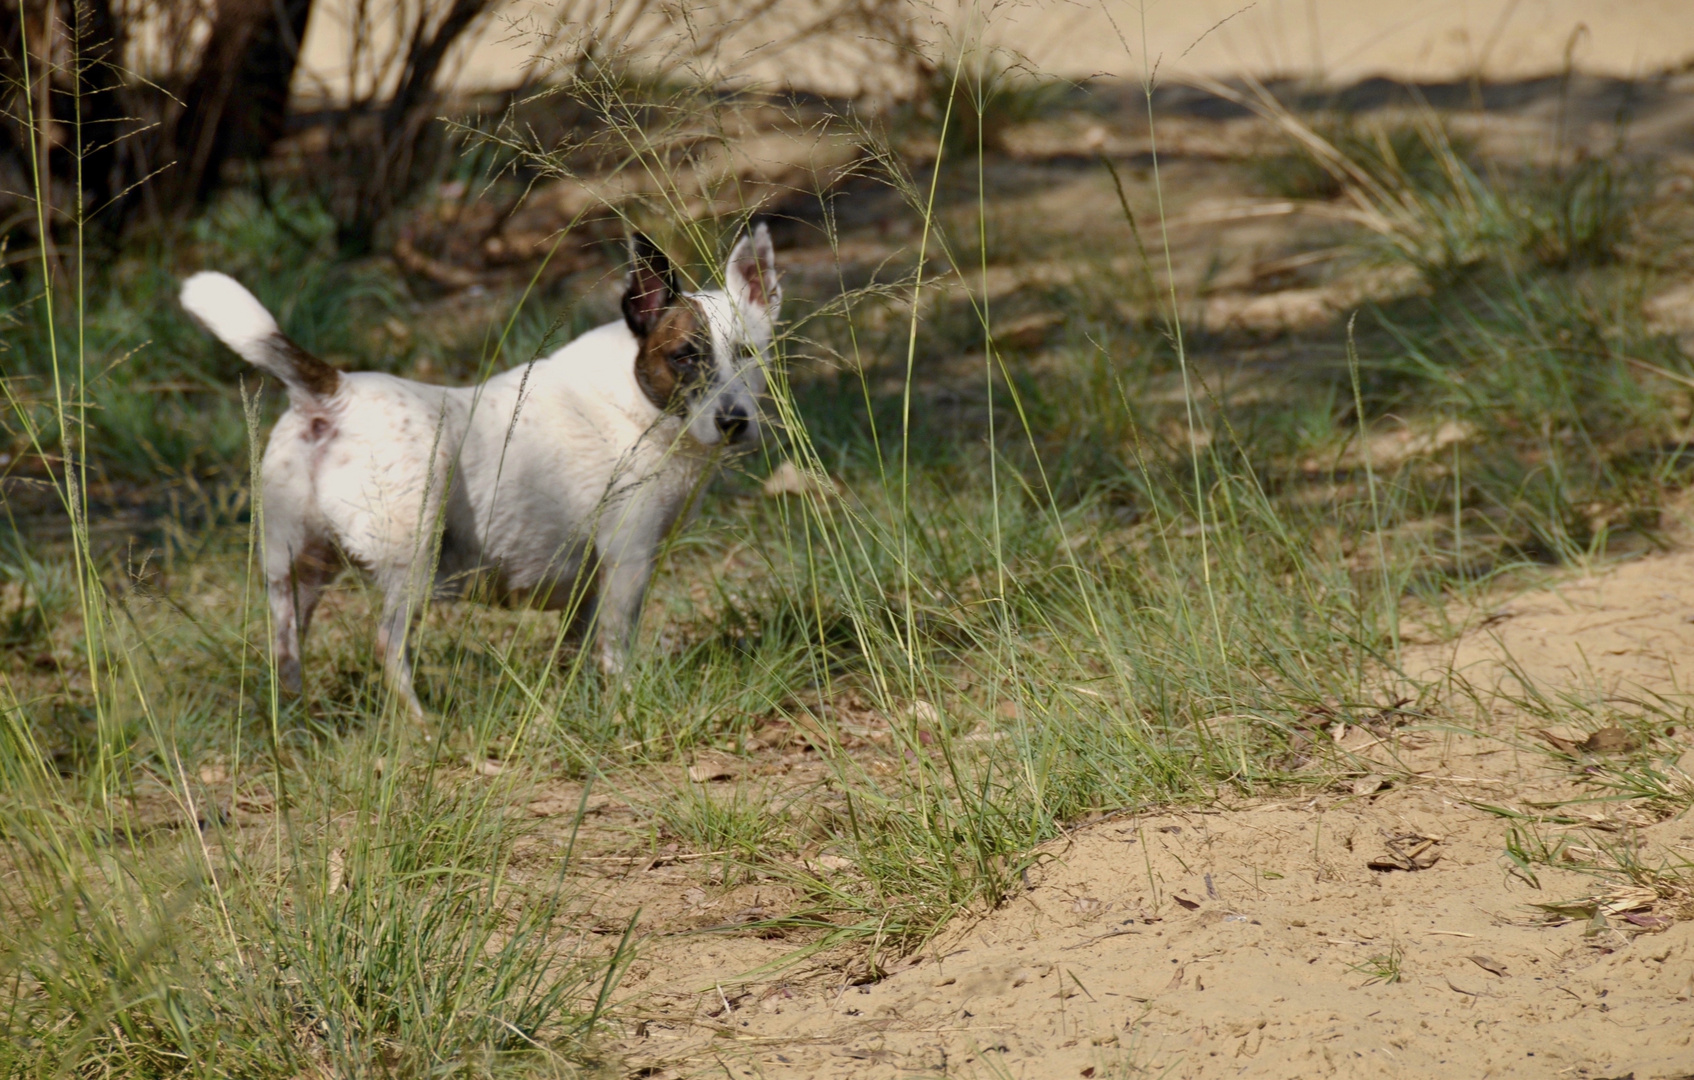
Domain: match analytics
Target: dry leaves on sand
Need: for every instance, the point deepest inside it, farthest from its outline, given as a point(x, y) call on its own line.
point(1489, 964)
point(712, 770)
point(1369, 784)
point(1407, 851)
point(1608, 740)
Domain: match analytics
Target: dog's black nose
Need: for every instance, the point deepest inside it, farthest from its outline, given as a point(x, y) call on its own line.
point(733, 424)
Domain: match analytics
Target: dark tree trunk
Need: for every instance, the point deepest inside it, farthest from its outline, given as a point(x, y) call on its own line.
point(11, 48)
point(390, 176)
point(236, 105)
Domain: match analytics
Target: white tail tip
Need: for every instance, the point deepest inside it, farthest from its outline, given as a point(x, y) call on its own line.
point(228, 310)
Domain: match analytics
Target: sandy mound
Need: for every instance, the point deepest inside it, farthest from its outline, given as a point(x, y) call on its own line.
point(1378, 929)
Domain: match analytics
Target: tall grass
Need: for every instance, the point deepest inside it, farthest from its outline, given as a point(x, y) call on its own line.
point(194, 885)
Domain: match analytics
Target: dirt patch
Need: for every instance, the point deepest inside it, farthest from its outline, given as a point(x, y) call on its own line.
point(1600, 637)
point(1380, 927)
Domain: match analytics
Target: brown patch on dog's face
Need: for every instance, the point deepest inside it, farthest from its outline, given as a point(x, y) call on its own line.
point(673, 351)
point(673, 359)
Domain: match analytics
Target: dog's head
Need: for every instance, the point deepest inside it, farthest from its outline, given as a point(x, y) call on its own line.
point(702, 356)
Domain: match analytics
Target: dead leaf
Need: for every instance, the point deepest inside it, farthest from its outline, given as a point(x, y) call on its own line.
point(1191, 905)
point(1370, 784)
point(1649, 922)
point(262, 802)
point(1385, 720)
point(1489, 964)
point(1176, 979)
point(1498, 615)
point(490, 767)
point(711, 772)
point(1611, 740)
point(1628, 898)
point(1174, 830)
point(1557, 742)
point(1457, 989)
point(1408, 851)
point(1571, 909)
point(664, 857)
point(337, 871)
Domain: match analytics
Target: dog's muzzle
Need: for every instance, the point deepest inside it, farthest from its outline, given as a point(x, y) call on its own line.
point(734, 424)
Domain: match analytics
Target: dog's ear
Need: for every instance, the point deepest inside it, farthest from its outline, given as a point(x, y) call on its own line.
point(652, 286)
point(751, 273)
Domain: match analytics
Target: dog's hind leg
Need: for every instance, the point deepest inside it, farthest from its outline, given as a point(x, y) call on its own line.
point(285, 630)
point(295, 583)
point(299, 562)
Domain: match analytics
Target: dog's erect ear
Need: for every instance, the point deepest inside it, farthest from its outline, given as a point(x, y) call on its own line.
point(751, 273)
point(652, 286)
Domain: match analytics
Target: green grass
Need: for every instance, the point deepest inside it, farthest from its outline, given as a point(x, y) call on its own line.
point(1395, 152)
point(1056, 581)
point(1384, 968)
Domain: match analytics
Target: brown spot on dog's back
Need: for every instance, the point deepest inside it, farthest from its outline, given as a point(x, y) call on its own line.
point(658, 377)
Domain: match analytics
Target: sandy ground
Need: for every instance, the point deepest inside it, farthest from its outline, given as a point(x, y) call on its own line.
point(1253, 938)
point(1342, 40)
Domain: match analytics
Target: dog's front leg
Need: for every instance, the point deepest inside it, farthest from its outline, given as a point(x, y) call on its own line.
point(398, 618)
point(626, 566)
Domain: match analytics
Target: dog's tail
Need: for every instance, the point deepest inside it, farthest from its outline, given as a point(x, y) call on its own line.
point(235, 316)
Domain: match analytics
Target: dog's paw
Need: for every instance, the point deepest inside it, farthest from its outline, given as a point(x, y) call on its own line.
point(611, 662)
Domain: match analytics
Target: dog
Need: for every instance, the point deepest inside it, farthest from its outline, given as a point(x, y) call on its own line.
point(552, 484)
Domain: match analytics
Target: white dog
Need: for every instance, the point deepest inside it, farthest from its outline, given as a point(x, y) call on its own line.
point(552, 484)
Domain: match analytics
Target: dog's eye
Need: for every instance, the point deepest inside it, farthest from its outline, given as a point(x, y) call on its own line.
point(685, 359)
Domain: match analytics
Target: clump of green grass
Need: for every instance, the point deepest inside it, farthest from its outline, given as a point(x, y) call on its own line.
point(1384, 968)
point(1415, 186)
point(1584, 214)
point(971, 104)
point(400, 940)
point(1396, 152)
point(1571, 400)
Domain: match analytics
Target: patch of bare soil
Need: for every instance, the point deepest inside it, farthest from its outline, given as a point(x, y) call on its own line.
point(1378, 928)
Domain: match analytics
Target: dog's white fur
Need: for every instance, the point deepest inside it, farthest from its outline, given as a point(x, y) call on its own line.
point(549, 477)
